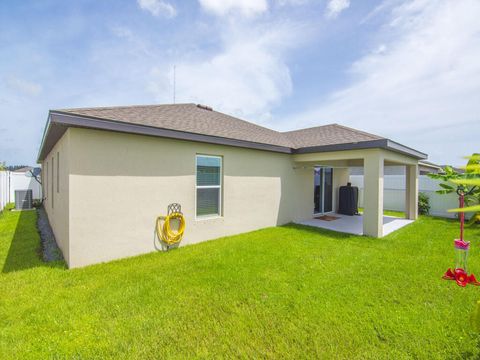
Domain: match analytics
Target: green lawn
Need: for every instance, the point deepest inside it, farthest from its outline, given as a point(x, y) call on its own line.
point(285, 292)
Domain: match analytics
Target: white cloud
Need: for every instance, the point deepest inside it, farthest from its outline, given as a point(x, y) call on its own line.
point(335, 7)
point(246, 78)
point(158, 7)
point(424, 74)
point(122, 32)
point(244, 7)
point(291, 2)
point(23, 86)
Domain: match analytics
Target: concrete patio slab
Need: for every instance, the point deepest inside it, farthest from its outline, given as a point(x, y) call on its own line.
point(354, 224)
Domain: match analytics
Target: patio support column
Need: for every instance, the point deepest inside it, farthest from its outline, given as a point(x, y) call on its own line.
point(373, 195)
point(411, 193)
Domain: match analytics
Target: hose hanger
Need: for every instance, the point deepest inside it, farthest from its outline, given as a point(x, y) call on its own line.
point(164, 230)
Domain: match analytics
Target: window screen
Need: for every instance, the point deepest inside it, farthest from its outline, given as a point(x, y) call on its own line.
point(209, 185)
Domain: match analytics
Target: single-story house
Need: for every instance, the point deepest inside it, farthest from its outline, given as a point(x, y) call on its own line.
point(109, 172)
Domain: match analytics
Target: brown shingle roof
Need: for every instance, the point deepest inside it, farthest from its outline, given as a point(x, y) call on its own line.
point(199, 123)
point(198, 120)
point(188, 118)
point(328, 135)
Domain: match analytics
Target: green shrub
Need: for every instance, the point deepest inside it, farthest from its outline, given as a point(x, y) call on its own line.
point(423, 204)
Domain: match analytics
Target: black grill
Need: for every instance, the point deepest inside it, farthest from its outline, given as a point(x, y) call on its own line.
point(348, 200)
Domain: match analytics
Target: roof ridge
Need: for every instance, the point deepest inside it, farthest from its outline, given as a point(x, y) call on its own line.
point(118, 107)
point(338, 125)
point(308, 128)
point(245, 121)
point(358, 131)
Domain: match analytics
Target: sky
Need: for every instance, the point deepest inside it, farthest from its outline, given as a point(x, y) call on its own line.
point(407, 70)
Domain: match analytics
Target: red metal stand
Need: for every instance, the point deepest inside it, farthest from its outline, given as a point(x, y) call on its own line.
point(460, 274)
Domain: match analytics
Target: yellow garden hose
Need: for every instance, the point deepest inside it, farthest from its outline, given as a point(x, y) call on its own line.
point(165, 232)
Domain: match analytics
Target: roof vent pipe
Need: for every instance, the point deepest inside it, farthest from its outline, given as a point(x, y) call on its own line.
point(204, 107)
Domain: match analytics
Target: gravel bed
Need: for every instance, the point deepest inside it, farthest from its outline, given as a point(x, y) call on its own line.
point(50, 249)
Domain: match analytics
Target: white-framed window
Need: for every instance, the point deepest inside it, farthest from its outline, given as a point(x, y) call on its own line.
point(208, 185)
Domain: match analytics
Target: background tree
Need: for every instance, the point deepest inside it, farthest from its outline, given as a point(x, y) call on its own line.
point(35, 173)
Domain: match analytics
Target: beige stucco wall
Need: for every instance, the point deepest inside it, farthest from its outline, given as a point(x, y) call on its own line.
point(119, 184)
point(56, 198)
point(114, 185)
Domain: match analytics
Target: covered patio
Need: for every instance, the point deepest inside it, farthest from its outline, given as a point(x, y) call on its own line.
point(354, 224)
point(373, 156)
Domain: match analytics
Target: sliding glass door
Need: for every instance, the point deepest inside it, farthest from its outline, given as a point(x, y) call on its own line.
point(323, 190)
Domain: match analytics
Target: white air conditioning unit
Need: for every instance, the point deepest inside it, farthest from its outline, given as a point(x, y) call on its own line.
point(23, 199)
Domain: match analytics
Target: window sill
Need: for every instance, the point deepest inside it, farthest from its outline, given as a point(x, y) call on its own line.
point(208, 217)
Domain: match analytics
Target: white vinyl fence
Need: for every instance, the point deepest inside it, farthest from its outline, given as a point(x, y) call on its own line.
point(11, 181)
point(394, 194)
point(4, 185)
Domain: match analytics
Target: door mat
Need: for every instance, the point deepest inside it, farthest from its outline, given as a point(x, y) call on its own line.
point(327, 218)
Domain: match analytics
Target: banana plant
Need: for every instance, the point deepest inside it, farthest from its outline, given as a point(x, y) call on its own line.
point(474, 208)
point(469, 181)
